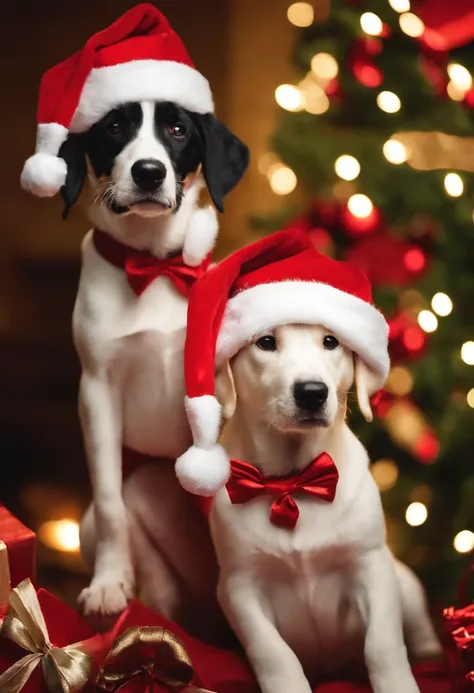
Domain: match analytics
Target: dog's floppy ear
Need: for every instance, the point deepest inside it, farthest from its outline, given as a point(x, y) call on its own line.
point(73, 153)
point(224, 157)
point(225, 390)
point(366, 384)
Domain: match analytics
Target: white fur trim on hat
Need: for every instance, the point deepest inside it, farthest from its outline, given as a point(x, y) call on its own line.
point(44, 173)
point(201, 236)
point(140, 80)
point(358, 324)
point(203, 469)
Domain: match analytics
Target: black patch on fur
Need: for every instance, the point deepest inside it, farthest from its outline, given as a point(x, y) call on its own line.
point(106, 139)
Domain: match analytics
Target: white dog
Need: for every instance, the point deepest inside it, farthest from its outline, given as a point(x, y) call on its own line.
point(306, 578)
point(132, 113)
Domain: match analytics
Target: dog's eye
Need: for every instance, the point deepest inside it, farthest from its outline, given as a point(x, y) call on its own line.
point(267, 343)
point(330, 342)
point(178, 131)
point(114, 125)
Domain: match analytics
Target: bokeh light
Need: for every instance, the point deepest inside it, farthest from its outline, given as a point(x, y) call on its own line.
point(442, 304)
point(411, 25)
point(427, 321)
point(464, 541)
point(395, 152)
point(371, 24)
point(347, 167)
point(389, 102)
point(453, 184)
point(60, 535)
point(325, 66)
point(360, 206)
point(467, 353)
point(416, 514)
point(385, 473)
point(282, 180)
point(301, 14)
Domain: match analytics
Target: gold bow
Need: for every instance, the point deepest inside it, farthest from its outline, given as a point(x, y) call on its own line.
point(152, 652)
point(4, 575)
point(66, 670)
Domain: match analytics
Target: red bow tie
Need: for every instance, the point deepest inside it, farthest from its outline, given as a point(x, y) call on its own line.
point(142, 267)
point(318, 480)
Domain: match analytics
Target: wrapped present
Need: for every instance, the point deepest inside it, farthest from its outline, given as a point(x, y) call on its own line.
point(46, 647)
point(17, 554)
point(459, 625)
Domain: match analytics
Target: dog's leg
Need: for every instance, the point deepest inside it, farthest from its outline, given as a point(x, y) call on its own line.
point(380, 603)
point(276, 666)
point(113, 579)
point(422, 641)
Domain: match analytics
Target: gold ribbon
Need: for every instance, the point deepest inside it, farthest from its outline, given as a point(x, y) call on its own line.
point(66, 670)
point(5, 586)
point(152, 652)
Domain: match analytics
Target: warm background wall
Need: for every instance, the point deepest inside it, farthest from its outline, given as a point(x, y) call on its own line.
point(233, 43)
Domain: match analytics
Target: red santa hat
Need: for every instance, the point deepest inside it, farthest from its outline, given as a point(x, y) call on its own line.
point(279, 280)
point(138, 57)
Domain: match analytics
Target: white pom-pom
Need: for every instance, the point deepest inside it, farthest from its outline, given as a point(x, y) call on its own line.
point(200, 236)
point(203, 472)
point(43, 174)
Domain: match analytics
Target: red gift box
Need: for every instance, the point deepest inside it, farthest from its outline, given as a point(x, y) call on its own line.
point(17, 554)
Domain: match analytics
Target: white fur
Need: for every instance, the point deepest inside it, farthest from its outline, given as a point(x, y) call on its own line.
point(203, 471)
point(204, 416)
point(310, 602)
point(256, 310)
point(131, 352)
point(202, 236)
point(141, 80)
point(44, 173)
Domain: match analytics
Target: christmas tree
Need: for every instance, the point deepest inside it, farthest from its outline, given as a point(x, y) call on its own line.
point(373, 137)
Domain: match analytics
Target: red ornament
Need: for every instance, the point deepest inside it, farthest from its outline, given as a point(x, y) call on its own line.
point(356, 226)
point(367, 74)
point(407, 341)
point(387, 260)
point(426, 448)
point(361, 62)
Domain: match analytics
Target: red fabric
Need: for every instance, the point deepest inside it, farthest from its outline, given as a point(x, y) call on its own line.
point(283, 256)
point(141, 33)
point(319, 480)
point(21, 545)
point(143, 268)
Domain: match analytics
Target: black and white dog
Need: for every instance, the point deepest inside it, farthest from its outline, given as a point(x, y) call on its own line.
point(148, 162)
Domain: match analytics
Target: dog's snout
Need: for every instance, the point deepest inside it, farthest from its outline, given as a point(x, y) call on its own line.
point(310, 395)
point(148, 174)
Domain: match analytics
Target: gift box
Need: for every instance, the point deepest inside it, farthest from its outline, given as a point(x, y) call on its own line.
point(17, 554)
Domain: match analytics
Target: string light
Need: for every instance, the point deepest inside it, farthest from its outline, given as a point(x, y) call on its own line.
point(289, 97)
point(360, 206)
point(470, 398)
point(442, 304)
point(454, 92)
point(460, 76)
point(400, 381)
point(60, 535)
point(389, 102)
point(347, 167)
point(411, 25)
point(453, 184)
point(282, 180)
point(395, 152)
point(301, 14)
point(427, 321)
point(371, 24)
point(324, 65)
point(416, 514)
point(467, 353)
point(385, 473)
point(464, 541)
point(400, 5)
point(315, 101)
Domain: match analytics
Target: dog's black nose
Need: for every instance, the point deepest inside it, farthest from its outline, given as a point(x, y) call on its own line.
point(310, 395)
point(148, 173)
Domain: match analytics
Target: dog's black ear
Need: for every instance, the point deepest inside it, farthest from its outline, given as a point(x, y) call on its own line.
point(73, 153)
point(225, 157)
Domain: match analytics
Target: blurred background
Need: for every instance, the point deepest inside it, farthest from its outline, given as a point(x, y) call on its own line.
point(359, 116)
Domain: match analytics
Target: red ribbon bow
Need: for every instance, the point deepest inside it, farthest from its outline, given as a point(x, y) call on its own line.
point(318, 480)
point(142, 268)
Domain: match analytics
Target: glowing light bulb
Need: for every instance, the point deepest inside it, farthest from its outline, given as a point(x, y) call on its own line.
point(427, 321)
point(442, 304)
point(315, 101)
point(389, 102)
point(324, 65)
point(282, 180)
point(371, 24)
point(454, 92)
point(300, 14)
point(411, 25)
point(467, 353)
point(470, 398)
point(464, 541)
point(460, 76)
point(385, 473)
point(360, 206)
point(289, 97)
point(400, 5)
point(60, 535)
point(395, 152)
point(416, 514)
point(347, 167)
point(453, 184)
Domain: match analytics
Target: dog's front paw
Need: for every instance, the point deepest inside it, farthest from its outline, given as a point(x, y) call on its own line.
point(104, 600)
